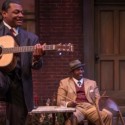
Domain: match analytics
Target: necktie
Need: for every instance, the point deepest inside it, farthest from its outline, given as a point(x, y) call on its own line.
point(79, 83)
point(12, 32)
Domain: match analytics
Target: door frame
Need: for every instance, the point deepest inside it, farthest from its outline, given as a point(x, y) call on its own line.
point(88, 38)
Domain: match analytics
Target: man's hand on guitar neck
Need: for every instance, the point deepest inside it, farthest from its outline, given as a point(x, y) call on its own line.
point(38, 51)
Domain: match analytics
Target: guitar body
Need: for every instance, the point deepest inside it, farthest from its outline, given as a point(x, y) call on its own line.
point(7, 61)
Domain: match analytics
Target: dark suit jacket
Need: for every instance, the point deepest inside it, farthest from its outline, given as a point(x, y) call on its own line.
point(25, 39)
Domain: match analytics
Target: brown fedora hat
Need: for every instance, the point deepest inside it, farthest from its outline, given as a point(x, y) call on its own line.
point(75, 64)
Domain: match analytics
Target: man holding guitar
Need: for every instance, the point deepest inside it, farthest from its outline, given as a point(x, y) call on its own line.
point(16, 83)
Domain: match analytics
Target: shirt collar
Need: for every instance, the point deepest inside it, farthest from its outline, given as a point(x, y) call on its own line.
point(9, 27)
point(76, 81)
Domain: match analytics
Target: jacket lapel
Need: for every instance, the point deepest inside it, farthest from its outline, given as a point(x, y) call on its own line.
point(72, 85)
point(22, 38)
point(87, 87)
point(4, 30)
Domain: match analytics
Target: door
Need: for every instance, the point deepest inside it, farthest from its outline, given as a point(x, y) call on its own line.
point(110, 51)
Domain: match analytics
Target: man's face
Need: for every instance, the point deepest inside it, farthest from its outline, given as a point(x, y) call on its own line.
point(14, 15)
point(78, 73)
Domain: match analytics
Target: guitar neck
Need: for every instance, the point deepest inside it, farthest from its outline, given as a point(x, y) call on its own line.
point(25, 49)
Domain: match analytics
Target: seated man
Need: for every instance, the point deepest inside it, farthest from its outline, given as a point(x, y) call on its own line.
point(81, 93)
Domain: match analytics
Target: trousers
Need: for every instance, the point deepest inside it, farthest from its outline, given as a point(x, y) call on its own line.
point(16, 107)
point(88, 111)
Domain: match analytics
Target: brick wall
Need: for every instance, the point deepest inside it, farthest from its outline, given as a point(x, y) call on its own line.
point(57, 21)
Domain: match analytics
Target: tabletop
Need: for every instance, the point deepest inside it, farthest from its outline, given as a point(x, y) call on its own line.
point(52, 109)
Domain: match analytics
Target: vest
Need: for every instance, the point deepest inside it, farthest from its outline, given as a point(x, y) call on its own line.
point(80, 91)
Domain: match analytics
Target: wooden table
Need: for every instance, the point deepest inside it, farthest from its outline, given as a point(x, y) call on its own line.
point(53, 110)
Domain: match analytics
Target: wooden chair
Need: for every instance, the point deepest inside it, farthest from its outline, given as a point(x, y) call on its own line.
point(107, 103)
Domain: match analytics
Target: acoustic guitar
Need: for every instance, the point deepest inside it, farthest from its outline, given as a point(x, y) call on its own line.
point(8, 47)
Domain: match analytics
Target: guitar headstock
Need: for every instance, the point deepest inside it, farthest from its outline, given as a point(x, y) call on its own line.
point(64, 47)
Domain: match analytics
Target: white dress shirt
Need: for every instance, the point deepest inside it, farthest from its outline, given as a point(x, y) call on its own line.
point(76, 82)
point(14, 29)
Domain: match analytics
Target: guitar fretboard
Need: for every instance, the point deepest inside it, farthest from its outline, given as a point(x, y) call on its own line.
point(25, 49)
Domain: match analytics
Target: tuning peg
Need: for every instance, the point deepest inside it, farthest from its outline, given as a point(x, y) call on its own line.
point(71, 47)
point(65, 47)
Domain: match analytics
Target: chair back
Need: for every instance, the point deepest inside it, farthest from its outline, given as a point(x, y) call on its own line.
point(106, 102)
